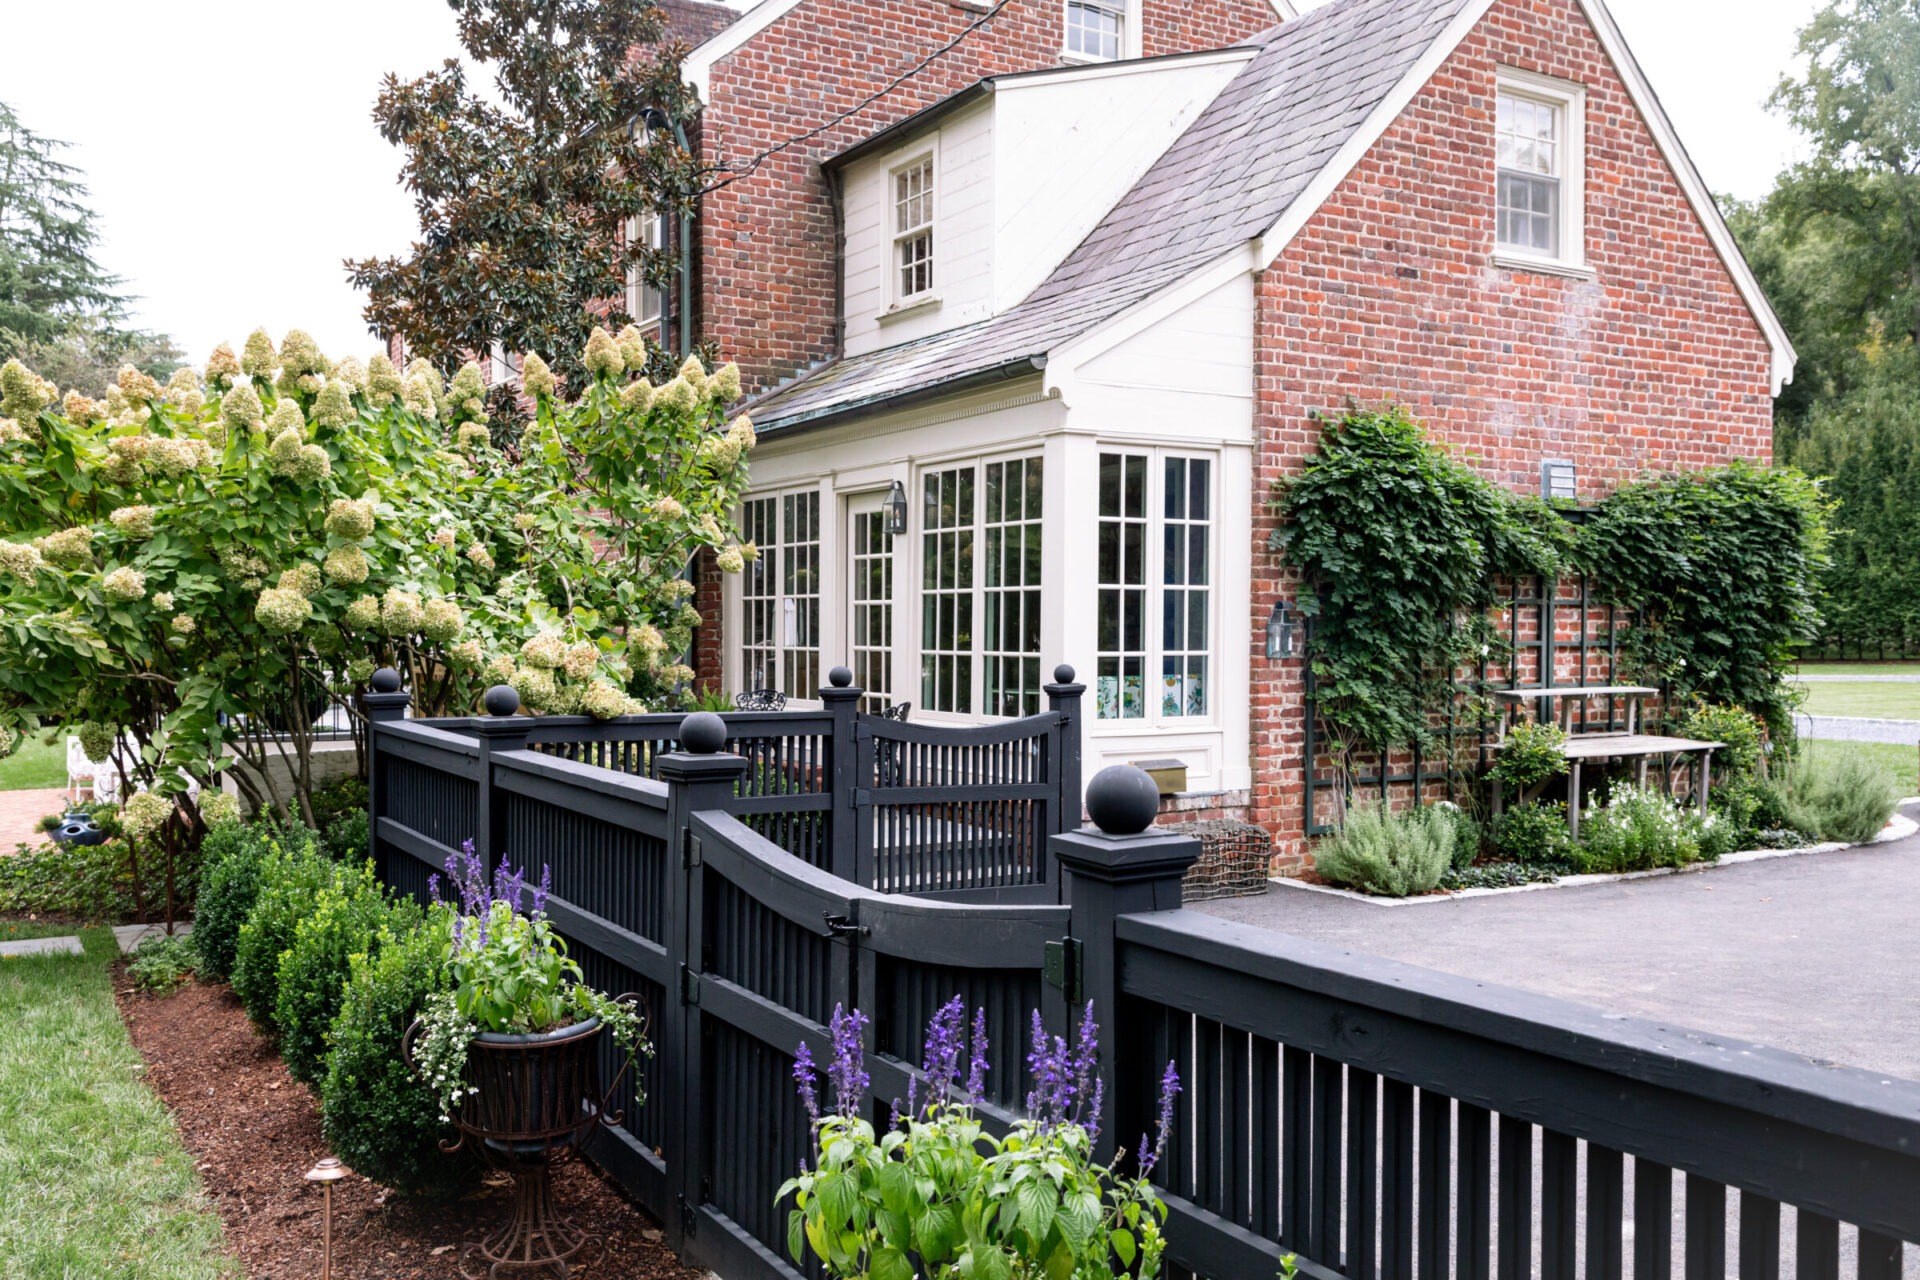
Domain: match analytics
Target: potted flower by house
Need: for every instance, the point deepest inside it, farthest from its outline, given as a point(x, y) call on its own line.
point(513, 1050)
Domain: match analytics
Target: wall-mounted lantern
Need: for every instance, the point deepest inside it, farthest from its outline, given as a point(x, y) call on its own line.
point(897, 509)
point(1282, 633)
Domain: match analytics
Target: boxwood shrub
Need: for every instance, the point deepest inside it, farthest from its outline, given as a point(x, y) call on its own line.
point(350, 915)
point(380, 1117)
point(290, 881)
point(232, 856)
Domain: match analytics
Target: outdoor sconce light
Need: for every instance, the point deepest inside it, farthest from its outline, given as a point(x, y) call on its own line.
point(897, 509)
point(326, 1173)
point(1282, 633)
point(1559, 480)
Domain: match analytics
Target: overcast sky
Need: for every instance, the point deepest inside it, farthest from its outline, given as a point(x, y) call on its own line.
point(234, 163)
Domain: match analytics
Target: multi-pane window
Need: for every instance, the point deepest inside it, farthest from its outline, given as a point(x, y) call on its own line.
point(872, 563)
point(1011, 647)
point(980, 560)
point(1186, 598)
point(1096, 29)
point(913, 229)
point(780, 595)
point(1530, 136)
point(946, 591)
point(1154, 607)
point(645, 302)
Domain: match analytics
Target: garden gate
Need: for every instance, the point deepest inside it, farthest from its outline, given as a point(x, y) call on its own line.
point(1382, 1122)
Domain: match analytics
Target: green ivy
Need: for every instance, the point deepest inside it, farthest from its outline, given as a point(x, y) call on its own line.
point(1399, 546)
point(1723, 568)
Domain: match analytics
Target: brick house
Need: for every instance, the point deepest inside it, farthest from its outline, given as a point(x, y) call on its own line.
point(1073, 288)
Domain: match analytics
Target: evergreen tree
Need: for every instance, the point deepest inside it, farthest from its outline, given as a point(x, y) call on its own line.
point(59, 309)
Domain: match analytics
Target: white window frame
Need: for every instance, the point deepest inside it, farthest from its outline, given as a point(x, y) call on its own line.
point(979, 651)
point(792, 617)
point(1154, 607)
point(1128, 11)
point(897, 237)
point(647, 305)
point(1569, 102)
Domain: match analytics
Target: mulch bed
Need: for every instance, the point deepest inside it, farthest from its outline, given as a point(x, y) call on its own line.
point(254, 1131)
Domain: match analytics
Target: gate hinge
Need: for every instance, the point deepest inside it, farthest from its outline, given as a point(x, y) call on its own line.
point(689, 1219)
point(844, 927)
point(689, 986)
point(690, 851)
point(1060, 966)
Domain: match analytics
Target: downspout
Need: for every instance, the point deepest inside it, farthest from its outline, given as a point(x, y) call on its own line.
point(686, 260)
point(839, 264)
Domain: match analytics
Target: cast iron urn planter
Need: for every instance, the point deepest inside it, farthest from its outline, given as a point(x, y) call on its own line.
point(533, 1102)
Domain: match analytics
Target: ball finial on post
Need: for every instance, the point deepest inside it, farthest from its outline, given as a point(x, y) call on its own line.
point(703, 733)
point(501, 700)
point(1123, 800)
point(840, 677)
point(1063, 674)
point(385, 680)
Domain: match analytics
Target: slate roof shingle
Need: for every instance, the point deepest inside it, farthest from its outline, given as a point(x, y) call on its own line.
point(1242, 163)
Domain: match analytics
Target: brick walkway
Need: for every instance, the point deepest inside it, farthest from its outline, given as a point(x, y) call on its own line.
point(20, 814)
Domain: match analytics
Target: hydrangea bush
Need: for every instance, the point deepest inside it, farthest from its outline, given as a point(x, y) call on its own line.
point(934, 1189)
point(206, 565)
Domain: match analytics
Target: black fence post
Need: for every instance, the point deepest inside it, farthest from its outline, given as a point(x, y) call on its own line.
point(700, 777)
point(502, 729)
point(386, 703)
point(1122, 865)
point(1063, 696)
point(842, 702)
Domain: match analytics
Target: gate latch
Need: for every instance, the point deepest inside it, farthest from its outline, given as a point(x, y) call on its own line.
point(842, 927)
point(1060, 966)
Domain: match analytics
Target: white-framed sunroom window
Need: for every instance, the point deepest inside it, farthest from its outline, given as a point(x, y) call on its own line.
point(980, 587)
point(1155, 609)
point(1096, 30)
point(780, 594)
point(1539, 196)
point(912, 222)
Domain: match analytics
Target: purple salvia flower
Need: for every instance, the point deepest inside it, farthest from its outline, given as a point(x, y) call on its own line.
point(1085, 1062)
point(804, 1078)
point(1169, 1090)
point(540, 894)
point(977, 1059)
point(945, 1040)
point(913, 1101)
point(848, 1070)
point(433, 885)
point(1099, 1102)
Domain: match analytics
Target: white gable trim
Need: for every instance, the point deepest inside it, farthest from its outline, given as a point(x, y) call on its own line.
point(1337, 171)
point(697, 70)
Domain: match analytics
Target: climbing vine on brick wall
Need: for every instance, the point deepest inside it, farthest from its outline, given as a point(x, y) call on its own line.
point(1400, 546)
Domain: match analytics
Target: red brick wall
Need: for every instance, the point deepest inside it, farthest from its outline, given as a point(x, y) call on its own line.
point(1389, 293)
point(767, 271)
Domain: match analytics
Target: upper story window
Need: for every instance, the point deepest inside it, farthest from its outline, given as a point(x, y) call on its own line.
point(1538, 200)
point(913, 229)
point(644, 302)
point(1096, 29)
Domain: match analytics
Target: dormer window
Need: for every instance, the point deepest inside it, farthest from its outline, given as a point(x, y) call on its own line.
point(1096, 30)
point(913, 230)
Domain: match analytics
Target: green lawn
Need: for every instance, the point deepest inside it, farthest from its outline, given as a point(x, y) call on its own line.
point(93, 1179)
point(1900, 763)
point(1874, 701)
point(34, 766)
point(1860, 668)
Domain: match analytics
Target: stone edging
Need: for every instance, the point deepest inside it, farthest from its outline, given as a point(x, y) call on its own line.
point(1899, 828)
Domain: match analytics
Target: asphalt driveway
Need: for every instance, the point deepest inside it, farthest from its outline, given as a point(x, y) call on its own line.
point(1818, 955)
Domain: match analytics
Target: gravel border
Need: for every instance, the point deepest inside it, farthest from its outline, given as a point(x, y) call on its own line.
point(1899, 828)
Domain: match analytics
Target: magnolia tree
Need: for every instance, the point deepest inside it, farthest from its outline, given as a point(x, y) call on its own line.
point(204, 567)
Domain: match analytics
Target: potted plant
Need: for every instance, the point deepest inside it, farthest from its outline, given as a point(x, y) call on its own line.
point(512, 1051)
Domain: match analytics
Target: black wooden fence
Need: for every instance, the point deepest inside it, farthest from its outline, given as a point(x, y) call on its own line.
point(1380, 1121)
